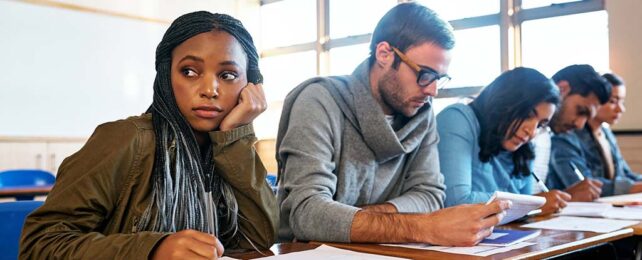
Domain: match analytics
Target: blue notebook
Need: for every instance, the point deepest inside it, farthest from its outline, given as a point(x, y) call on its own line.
point(505, 237)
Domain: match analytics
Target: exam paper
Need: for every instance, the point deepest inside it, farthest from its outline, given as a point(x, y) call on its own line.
point(599, 225)
point(471, 250)
point(327, 252)
point(632, 213)
point(635, 197)
point(601, 210)
point(585, 209)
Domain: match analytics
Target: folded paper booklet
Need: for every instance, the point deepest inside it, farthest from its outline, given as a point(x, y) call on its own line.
point(522, 204)
point(507, 237)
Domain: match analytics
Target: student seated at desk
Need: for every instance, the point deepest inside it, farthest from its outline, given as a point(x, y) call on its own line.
point(485, 146)
point(182, 181)
point(583, 91)
point(357, 154)
point(594, 150)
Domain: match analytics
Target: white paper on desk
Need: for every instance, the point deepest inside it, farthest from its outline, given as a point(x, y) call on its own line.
point(327, 252)
point(472, 250)
point(522, 204)
point(599, 225)
point(635, 197)
point(585, 209)
point(601, 210)
point(632, 213)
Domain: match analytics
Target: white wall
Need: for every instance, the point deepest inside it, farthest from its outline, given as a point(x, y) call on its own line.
point(65, 70)
point(625, 45)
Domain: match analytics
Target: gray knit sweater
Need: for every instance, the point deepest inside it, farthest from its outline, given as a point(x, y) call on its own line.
point(337, 153)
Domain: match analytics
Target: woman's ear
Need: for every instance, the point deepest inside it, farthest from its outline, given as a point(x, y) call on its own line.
point(564, 87)
point(384, 54)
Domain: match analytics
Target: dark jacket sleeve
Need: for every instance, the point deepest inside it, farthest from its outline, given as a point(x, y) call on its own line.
point(567, 148)
point(88, 187)
point(236, 161)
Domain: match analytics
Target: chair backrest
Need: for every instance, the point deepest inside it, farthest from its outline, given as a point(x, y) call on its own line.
point(266, 149)
point(12, 218)
point(19, 178)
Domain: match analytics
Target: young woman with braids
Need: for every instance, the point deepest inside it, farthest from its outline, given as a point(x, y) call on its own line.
point(484, 146)
point(180, 182)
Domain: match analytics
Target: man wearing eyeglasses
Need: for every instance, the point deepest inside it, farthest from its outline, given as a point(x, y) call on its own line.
point(583, 90)
point(357, 154)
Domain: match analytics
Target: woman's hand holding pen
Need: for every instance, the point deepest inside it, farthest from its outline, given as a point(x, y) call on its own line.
point(587, 190)
point(555, 201)
point(251, 104)
point(188, 244)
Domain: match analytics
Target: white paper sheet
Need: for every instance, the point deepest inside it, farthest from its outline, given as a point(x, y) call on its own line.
point(522, 204)
point(472, 250)
point(599, 225)
point(635, 197)
point(632, 213)
point(327, 252)
point(602, 210)
point(585, 209)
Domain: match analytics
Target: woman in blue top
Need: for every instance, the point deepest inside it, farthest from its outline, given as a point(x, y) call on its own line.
point(594, 150)
point(484, 146)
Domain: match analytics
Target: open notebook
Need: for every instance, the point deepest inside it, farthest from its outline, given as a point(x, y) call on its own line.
point(522, 204)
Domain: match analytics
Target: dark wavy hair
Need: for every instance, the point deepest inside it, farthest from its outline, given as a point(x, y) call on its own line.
point(502, 107)
point(614, 79)
point(584, 80)
point(409, 24)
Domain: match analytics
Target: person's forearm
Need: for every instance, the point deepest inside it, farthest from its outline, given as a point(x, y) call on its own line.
point(377, 227)
point(382, 208)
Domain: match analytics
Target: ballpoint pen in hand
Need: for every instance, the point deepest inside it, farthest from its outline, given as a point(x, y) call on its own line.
point(577, 171)
point(541, 184)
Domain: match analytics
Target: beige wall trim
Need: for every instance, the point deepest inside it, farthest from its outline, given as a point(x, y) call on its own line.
point(85, 9)
point(40, 139)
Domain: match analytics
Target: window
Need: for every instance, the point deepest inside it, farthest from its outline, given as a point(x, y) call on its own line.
point(537, 34)
point(356, 17)
point(541, 3)
point(288, 22)
point(476, 55)
point(343, 60)
point(458, 9)
point(284, 72)
point(549, 45)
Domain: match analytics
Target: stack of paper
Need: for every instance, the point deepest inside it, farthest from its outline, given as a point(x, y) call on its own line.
point(522, 204)
point(472, 250)
point(599, 225)
point(328, 252)
point(635, 198)
point(601, 210)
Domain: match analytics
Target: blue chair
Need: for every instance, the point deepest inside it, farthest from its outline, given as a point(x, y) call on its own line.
point(24, 179)
point(271, 179)
point(12, 218)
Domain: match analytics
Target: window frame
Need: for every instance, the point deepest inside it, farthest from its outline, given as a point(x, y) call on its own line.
point(510, 18)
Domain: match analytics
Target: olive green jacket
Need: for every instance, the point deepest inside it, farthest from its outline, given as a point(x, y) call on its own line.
point(102, 190)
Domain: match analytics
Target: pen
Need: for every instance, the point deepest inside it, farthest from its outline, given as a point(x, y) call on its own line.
point(540, 183)
point(533, 212)
point(577, 171)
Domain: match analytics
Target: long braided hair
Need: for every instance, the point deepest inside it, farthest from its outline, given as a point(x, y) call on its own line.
point(182, 177)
